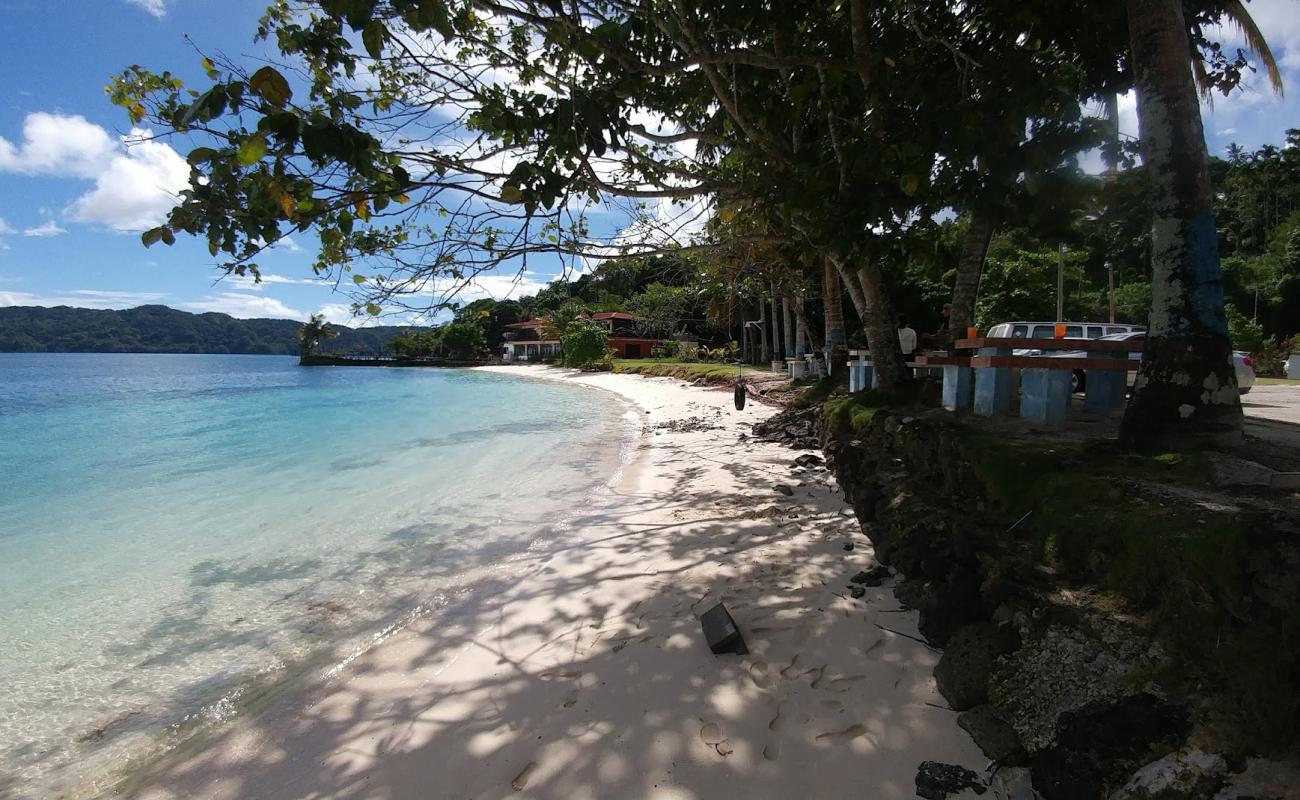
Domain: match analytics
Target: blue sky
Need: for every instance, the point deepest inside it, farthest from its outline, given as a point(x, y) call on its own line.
point(73, 198)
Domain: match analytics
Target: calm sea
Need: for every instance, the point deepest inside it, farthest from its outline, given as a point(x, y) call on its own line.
point(171, 526)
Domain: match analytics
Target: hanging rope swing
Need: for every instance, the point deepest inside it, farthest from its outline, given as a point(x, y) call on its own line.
point(740, 389)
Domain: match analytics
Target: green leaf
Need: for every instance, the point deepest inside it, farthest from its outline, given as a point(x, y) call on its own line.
point(373, 37)
point(433, 13)
point(271, 86)
point(358, 279)
point(372, 309)
point(511, 193)
point(152, 236)
point(168, 237)
point(909, 183)
point(200, 155)
point(252, 149)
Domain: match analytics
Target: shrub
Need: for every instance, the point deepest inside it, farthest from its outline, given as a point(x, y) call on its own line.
point(463, 339)
point(585, 344)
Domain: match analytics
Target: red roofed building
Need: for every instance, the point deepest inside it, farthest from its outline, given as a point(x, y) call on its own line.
point(524, 340)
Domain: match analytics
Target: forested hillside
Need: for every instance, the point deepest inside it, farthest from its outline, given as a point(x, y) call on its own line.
point(159, 329)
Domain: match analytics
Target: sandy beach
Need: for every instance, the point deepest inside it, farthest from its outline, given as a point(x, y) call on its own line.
point(586, 674)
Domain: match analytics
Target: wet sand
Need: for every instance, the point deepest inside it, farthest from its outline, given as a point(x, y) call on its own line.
point(588, 677)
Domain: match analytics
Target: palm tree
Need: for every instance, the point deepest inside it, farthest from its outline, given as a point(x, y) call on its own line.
point(312, 333)
point(1187, 387)
point(1236, 15)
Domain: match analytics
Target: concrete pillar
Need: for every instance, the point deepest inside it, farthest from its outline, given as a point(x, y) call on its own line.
point(1104, 390)
point(993, 386)
point(1045, 396)
point(958, 388)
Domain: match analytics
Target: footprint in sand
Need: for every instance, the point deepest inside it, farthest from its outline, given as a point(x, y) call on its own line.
point(845, 683)
point(711, 734)
point(782, 714)
point(792, 671)
point(570, 700)
point(830, 707)
point(772, 751)
point(521, 780)
point(819, 676)
point(839, 737)
point(758, 674)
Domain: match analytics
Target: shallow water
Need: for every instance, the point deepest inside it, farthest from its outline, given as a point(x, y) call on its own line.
point(172, 525)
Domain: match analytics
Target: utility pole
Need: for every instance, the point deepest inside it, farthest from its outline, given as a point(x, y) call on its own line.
point(1110, 280)
point(1060, 285)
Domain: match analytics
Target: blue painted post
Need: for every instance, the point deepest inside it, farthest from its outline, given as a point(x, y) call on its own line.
point(1045, 396)
point(993, 386)
point(1105, 388)
point(958, 388)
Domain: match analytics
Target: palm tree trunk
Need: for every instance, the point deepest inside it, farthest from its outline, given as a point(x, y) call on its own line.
point(970, 265)
point(880, 325)
point(1186, 394)
point(833, 307)
point(764, 353)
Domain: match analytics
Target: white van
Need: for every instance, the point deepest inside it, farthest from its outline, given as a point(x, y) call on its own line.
point(1047, 330)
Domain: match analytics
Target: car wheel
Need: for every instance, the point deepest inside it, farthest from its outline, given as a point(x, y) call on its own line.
point(1078, 381)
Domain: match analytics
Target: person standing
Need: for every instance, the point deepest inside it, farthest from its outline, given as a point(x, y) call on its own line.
point(906, 338)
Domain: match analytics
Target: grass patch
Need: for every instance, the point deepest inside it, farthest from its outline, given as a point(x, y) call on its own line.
point(1276, 382)
point(688, 370)
point(855, 410)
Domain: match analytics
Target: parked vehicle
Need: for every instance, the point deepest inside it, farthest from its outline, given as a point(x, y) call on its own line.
point(1242, 363)
point(1073, 330)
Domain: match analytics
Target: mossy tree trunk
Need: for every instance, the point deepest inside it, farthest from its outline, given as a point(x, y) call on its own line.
point(881, 328)
point(1186, 394)
point(836, 340)
point(970, 266)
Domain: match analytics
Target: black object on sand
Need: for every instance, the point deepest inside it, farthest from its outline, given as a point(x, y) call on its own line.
point(721, 633)
point(740, 394)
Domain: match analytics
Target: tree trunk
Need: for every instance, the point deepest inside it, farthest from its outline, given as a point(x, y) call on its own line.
point(1186, 394)
point(850, 283)
point(788, 326)
point(881, 326)
point(765, 355)
point(832, 304)
point(800, 327)
point(778, 345)
point(970, 265)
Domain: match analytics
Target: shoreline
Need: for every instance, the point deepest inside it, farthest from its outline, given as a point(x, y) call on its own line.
point(589, 677)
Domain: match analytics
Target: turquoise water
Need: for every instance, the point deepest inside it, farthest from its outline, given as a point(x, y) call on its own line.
point(172, 525)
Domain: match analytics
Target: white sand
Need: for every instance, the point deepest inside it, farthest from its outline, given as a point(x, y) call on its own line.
point(589, 676)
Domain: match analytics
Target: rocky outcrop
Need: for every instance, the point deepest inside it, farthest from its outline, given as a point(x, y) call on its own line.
point(1077, 649)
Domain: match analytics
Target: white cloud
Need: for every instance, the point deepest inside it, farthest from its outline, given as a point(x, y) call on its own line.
point(337, 314)
point(287, 244)
point(58, 144)
point(156, 8)
point(136, 178)
point(131, 297)
point(246, 306)
point(137, 188)
point(47, 228)
point(5, 228)
point(81, 298)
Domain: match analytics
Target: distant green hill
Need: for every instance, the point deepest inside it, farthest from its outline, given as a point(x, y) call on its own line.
point(159, 329)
